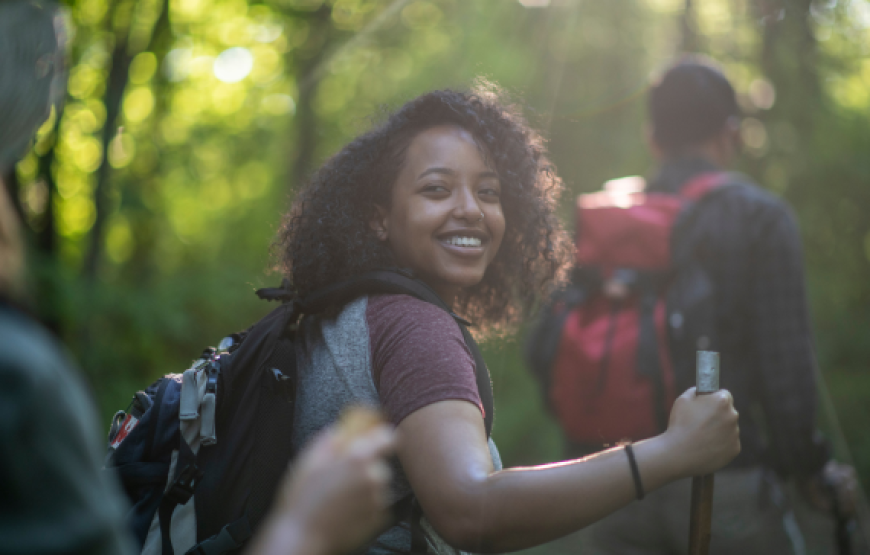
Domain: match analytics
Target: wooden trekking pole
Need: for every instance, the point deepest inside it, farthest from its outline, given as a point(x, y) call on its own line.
point(701, 515)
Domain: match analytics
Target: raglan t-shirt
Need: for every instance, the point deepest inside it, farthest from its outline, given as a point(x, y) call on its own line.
point(419, 356)
point(392, 352)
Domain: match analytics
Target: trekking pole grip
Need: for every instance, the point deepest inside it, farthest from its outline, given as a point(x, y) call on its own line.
point(700, 521)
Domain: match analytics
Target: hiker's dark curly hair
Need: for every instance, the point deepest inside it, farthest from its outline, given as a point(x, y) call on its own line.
point(326, 236)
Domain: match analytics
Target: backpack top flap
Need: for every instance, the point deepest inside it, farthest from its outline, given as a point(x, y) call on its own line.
point(631, 228)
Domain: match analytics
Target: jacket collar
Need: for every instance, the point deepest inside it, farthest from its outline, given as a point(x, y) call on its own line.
point(675, 172)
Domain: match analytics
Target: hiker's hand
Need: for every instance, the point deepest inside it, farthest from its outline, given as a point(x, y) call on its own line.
point(334, 498)
point(833, 490)
point(703, 431)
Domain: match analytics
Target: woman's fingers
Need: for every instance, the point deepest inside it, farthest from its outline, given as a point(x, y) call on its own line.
point(706, 429)
point(339, 488)
point(378, 442)
point(335, 496)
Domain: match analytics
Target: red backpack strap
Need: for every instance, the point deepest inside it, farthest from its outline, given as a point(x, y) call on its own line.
point(697, 187)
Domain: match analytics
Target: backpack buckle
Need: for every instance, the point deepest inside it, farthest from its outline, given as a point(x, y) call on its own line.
point(182, 489)
point(283, 385)
point(212, 371)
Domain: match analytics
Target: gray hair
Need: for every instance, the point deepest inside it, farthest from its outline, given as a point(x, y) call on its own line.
point(31, 73)
point(31, 80)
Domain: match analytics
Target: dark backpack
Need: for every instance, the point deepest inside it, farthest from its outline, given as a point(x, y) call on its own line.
point(603, 347)
point(200, 453)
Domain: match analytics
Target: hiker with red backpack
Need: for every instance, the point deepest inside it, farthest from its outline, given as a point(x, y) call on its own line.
point(695, 259)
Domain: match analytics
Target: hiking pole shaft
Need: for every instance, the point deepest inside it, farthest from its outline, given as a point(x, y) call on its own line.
point(701, 515)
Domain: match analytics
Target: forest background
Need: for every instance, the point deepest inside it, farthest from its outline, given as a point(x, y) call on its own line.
point(153, 196)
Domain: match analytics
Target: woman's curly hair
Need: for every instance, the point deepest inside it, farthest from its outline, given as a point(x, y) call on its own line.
point(326, 236)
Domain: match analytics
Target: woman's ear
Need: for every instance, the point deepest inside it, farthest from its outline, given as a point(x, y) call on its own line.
point(380, 222)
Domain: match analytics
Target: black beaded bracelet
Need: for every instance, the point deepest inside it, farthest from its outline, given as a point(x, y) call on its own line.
point(635, 473)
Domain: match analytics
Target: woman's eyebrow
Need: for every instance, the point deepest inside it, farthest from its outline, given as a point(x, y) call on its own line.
point(449, 172)
point(442, 171)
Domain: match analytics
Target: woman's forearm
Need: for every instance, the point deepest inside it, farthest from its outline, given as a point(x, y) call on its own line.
point(523, 507)
point(442, 448)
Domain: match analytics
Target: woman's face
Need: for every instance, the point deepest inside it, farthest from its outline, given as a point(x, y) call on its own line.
point(446, 221)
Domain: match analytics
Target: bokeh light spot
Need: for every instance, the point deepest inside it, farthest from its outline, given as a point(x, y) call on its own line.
point(83, 81)
point(138, 104)
point(176, 64)
point(77, 215)
point(762, 94)
point(754, 136)
point(418, 15)
point(278, 104)
point(142, 68)
point(119, 240)
point(233, 65)
point(122, 150)
point(88, 154)
point(535, 3)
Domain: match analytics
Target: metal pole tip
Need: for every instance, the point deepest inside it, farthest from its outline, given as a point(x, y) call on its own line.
point(707, 372)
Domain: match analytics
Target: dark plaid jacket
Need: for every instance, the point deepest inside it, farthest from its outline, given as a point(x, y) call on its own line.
point(750, 247)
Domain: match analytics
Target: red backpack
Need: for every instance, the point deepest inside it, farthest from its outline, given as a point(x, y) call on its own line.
point(603, 346)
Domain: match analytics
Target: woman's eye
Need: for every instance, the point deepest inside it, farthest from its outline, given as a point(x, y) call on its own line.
point(434, 188)
point(490, 193)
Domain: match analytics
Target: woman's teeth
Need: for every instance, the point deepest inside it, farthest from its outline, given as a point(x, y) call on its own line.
point(465, 241)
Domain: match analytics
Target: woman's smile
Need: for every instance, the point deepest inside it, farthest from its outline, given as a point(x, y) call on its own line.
point(445, 221)
point(465, 242)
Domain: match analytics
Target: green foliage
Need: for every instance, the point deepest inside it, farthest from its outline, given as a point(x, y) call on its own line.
point(153, 198)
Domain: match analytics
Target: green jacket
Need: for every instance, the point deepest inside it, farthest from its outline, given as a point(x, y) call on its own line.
point(53, 496)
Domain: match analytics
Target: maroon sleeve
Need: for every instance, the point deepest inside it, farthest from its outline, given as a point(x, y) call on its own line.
point(419, 356)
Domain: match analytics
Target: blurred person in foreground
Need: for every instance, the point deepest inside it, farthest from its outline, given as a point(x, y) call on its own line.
point(53, 496)
point(748, 243)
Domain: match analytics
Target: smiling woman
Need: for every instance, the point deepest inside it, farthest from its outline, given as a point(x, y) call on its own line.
point(445, 220)
point(456, 154)
point(456, 189)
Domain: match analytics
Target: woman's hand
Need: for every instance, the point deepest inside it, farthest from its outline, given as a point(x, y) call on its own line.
point(704, 430)
point(833, 490)
point(334, 498)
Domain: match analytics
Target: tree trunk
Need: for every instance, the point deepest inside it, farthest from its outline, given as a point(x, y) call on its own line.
point(689, 40)
point(113, 98)
point(788, 58)
point(305, 120)
point(49, 305)
point(117, 83)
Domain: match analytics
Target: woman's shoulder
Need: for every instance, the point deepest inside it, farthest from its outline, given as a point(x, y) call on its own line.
point(403, 319)
point(418, 355)
point(407, 310)
point(406, 327)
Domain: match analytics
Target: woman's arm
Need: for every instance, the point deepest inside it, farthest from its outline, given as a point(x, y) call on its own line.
point(444, 453)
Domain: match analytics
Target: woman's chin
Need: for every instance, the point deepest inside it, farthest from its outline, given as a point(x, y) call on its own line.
point(457, 282)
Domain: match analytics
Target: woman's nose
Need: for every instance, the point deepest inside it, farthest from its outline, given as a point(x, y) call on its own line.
point(467, 207)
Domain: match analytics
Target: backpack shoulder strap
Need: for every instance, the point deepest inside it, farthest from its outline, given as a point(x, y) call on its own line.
point(699, 186)
point(387, 281)
point(399, 281)
point(699, 190)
